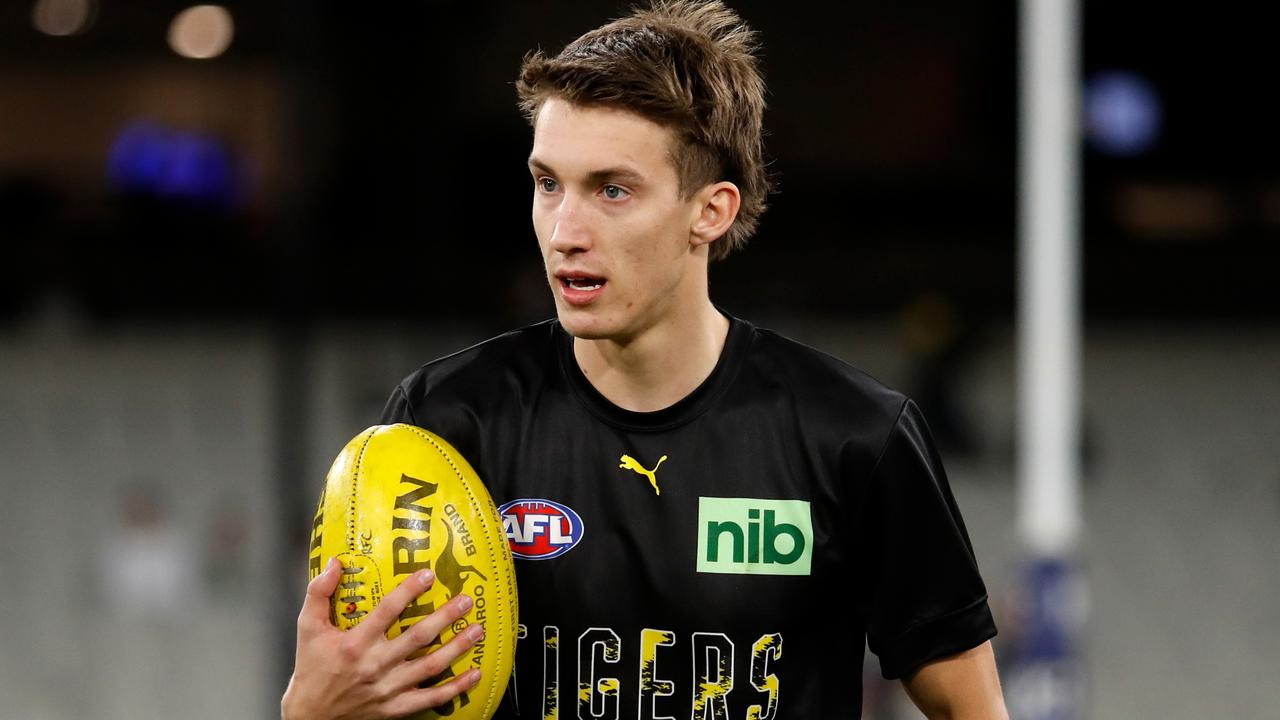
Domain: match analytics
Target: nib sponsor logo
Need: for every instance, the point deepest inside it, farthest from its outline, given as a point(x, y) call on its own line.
point(750, 536)
point(540, 529)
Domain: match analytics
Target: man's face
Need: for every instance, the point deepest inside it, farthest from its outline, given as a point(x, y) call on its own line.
point(614, 233)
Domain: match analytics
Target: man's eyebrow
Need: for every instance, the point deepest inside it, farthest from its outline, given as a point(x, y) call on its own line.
point(595, 177)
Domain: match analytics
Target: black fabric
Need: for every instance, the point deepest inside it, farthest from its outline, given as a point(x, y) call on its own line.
point(628, 622)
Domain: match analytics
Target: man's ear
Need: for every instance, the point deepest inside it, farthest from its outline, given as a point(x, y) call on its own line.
point(716, 206)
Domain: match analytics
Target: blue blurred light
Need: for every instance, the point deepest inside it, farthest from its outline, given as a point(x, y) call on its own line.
point(1123, 113)
point(150, 159)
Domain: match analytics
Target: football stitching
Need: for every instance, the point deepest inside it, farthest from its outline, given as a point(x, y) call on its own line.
point(489, 699)
point(351, 505)
point(351, 526)
point(352, 600)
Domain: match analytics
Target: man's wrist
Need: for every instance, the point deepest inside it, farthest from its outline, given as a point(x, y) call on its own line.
point(289, 709)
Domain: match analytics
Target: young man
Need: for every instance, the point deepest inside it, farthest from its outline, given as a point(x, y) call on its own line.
point(734, 512)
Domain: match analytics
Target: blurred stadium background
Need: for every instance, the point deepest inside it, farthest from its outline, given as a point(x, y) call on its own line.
point(224, 242)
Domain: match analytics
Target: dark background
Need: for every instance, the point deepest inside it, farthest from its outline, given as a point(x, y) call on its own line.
point(377, 163)
point(214, 271)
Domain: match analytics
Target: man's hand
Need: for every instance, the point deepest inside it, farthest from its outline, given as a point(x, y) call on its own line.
point(961, 687)
point(360, 674)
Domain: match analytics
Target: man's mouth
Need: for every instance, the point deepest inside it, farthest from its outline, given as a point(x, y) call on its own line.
point(582, 282)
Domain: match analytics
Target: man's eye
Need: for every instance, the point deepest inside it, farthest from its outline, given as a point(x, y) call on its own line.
point(613, 192)
point(546, 184)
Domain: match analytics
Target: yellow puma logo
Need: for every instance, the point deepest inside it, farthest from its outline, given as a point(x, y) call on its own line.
point(630, 463)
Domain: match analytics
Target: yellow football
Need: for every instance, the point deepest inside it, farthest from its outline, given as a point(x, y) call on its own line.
point(399, 499)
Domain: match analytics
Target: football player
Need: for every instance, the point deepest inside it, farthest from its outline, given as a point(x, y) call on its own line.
point(709, 519)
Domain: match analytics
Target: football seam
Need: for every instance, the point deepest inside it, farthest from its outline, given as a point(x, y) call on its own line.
point(351, 509)
point(490, 700)
point(351, 498)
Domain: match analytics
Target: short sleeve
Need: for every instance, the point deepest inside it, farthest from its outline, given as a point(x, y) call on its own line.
point(925, 598)
point(397, 409)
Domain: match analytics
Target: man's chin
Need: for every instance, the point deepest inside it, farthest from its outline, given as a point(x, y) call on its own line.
point(584, 331)
point(583, 325)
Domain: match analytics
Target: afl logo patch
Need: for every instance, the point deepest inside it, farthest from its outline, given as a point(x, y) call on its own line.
point(540, 529)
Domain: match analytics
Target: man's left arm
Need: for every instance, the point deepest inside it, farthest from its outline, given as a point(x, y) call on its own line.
point(964, 686)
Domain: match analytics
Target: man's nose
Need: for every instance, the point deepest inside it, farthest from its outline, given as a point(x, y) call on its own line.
point(572, 232)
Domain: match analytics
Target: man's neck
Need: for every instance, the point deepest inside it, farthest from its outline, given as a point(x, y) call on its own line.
point(659, 367)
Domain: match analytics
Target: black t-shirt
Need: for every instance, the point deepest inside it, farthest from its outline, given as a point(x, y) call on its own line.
point(723, 557)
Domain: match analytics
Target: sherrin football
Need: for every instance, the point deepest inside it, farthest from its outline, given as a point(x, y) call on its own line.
point(399, 499)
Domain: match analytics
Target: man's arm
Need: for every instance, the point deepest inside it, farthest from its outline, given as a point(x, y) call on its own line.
point(959, 687)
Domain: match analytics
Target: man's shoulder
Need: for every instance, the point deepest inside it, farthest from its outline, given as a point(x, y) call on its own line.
point(821, 380)
point(511, 356)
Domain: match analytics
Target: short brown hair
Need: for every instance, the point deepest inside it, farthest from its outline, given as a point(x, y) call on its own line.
point(689, 65)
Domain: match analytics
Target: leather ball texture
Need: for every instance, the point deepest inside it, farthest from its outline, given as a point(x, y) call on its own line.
point(400, 499)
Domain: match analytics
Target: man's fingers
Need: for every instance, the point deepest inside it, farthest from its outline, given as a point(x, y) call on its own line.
point(393, 604)
point(435, 696)
point(431, 665)
point(315, 608)
point(426, 630)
